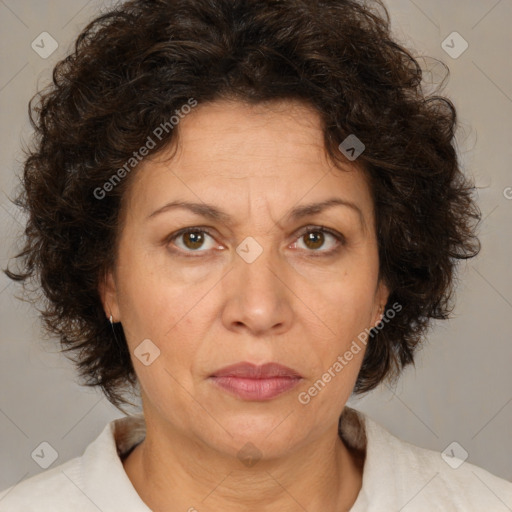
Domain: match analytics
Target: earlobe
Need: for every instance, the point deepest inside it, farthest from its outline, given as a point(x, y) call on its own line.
point(380, 316)
point(108, 294)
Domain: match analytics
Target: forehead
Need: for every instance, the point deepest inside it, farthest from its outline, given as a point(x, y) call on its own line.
point(247, 158)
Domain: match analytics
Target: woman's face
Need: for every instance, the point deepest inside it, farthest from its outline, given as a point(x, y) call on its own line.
point(248, 284)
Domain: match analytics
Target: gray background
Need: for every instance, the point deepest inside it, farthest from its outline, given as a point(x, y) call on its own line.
point(461, 388)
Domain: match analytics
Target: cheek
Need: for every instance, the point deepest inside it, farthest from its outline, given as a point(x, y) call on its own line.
point(150, 302)
point(342, 311)
point(169, 313)
point(343, 306)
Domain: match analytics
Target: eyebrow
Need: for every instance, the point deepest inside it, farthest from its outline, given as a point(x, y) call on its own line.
point(212, 212)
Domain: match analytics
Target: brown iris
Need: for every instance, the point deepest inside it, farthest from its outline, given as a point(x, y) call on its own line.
point(196, 239)
point(316, 238)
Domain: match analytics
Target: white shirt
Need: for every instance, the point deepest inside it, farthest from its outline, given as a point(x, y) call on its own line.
point(397, 476)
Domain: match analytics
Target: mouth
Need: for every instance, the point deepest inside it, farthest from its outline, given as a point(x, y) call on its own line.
point(256, 383)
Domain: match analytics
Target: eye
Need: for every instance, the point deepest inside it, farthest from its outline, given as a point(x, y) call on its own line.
point(314, 237)
point(192, 239)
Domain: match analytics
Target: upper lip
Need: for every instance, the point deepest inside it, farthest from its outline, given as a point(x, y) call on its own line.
point(253, 371)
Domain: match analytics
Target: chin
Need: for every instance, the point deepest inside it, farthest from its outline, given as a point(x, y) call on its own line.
point(269, 434)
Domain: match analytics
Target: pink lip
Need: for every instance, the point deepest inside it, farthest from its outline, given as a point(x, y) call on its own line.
point(252, 382)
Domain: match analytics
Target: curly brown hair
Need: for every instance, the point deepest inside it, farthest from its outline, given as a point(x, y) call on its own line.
point(133, 66)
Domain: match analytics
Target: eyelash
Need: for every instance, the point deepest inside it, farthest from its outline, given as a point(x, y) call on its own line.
point(305, 231)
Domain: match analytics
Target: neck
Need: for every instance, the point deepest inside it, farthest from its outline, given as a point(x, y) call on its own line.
point(171, 471)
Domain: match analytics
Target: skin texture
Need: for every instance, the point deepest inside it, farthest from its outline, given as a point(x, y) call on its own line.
point(294, 305)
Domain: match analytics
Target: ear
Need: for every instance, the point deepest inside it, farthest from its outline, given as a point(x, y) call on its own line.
point(108, 294)
point(381, 299)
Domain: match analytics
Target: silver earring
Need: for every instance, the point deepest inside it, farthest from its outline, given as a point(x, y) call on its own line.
point(111, 322)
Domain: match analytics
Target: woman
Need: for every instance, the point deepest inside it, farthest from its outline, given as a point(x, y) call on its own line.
point(246, 211)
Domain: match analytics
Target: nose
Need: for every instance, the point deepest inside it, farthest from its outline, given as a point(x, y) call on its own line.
point(258, 295)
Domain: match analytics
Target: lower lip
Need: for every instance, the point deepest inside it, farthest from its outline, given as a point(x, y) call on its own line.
point(256, 389)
